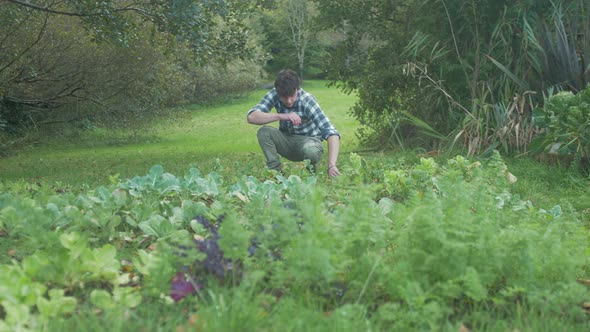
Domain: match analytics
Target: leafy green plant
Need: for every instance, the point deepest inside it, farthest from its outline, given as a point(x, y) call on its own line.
point(564, 124)
point(450, 244)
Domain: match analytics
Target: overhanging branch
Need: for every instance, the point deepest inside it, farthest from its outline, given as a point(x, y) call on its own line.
point(39, 35)
point(48, 9)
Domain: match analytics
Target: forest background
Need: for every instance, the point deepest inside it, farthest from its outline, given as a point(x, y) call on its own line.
point(473, 75)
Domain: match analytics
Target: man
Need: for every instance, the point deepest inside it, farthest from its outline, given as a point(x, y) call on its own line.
point(302, 126)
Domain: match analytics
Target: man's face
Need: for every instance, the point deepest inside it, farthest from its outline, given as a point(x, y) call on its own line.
point(290, 100)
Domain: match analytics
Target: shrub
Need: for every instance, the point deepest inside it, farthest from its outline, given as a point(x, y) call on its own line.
point(564, 124)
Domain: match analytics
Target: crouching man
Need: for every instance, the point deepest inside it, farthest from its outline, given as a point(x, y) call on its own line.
point(302, 126)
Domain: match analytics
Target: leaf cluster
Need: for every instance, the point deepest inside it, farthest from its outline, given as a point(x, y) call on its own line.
point(564, 123)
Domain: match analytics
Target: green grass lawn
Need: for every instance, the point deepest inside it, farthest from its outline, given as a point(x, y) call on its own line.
point(197, 138)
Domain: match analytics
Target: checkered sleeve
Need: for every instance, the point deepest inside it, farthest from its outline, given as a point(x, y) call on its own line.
point(320, 119)
point(269, 100)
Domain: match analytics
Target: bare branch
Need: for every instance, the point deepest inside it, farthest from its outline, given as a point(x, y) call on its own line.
point(9, 34)
point(48, 9)
point(60, 77)
point(32, 102)
point(29, 47)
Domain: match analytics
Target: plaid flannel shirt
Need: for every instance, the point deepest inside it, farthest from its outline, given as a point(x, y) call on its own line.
point(313, 121)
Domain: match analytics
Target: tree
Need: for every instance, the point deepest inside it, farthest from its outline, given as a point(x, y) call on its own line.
point(118, 20)
point(289, 35)
point(54, 53)
point(442, 68)
point(367, 59)
point(299, 16)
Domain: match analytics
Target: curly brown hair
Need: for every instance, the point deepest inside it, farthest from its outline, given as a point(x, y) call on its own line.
point(287, 83)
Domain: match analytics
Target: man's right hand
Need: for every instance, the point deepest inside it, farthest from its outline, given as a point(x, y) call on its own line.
point(333, 171)
point(293, 117)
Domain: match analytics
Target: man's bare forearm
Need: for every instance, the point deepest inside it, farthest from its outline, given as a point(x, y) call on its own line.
point(261, 118)
point(333, 150)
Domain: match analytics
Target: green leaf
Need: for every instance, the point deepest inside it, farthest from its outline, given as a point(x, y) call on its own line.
point(473, 286)
point(57, 305)
point(524, 85)
point(18, 316)
point(386, 205)
point(102, 264)
point(198, 228)
point(16, 286)
point(39, 265)
point(191, 209)
point(234, 238)
point(556, 211)
point(9, 218)
point(155, 173)
point(422, 126)
point(127, 297)
point(158, 226)
point(74, 243)
point(102, 299)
